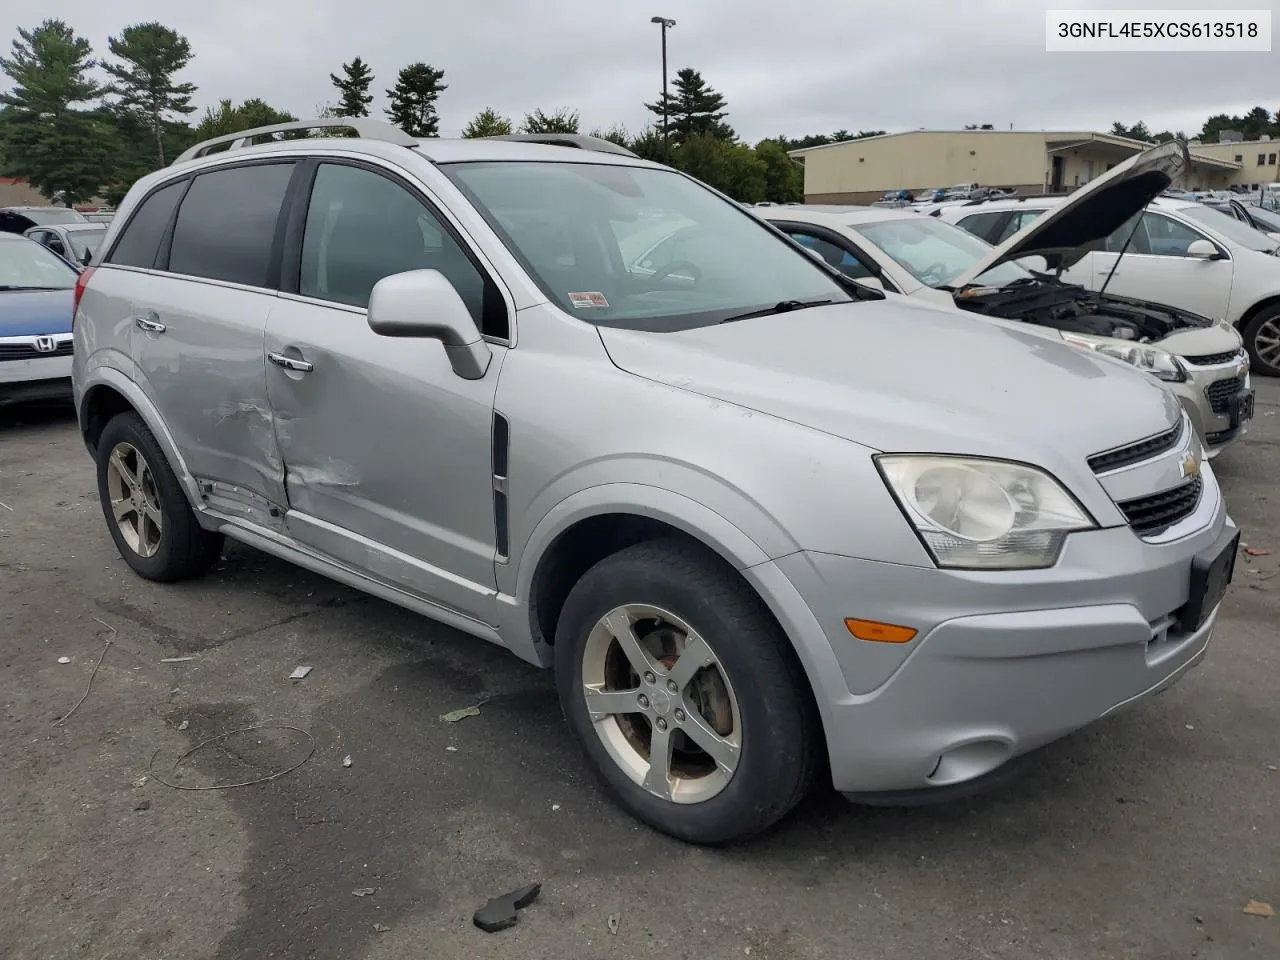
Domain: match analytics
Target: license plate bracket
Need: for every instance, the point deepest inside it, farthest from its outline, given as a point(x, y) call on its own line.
point(1211, 573)
point(1242, 408)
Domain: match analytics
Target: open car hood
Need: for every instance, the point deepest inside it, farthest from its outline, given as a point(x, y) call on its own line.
point(1069, 230)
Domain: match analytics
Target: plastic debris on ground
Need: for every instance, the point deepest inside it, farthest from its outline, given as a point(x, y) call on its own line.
point(299, 673)
point(501, 912)
point(364, 891)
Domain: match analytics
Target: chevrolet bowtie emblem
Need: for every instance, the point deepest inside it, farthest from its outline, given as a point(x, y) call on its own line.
point(1190, 465)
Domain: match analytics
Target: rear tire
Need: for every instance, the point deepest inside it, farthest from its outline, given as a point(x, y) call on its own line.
point(150, 520)
point(703, 677)
point(1262, 339)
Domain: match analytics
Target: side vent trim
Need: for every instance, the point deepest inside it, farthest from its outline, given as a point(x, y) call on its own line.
point(501, 447)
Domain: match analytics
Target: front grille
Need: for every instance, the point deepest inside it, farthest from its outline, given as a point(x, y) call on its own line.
point(1211, 359)
point(1221, 393)
point(1157, 512)
point(27, 351)
point(1135, 452)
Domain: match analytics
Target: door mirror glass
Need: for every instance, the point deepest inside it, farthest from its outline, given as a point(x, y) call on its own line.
point(424, 304)
point(1202, 250)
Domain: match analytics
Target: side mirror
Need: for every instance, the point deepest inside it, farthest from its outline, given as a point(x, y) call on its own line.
point(425, 305)
point(875, 283)
point(1202, 250)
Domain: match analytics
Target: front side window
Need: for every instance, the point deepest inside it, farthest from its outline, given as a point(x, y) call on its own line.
point(935, 253)
point(1016, 222)
point(362, 226)
point(28, 265)
point(85, 241)
point(639, 247)
point(1169, 238)
point(837, 256)
point(1129, 237)
point(227, 224)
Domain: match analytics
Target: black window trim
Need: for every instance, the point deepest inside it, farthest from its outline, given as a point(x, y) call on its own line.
point(137, 207)
point(298, 201)
point(840, 240)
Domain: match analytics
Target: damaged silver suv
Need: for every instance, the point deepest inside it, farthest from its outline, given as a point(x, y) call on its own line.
point(752, 539)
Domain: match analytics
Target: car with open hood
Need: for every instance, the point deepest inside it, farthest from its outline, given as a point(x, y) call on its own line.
point(1200, 361)
point(1175, 251)
point(699, 481)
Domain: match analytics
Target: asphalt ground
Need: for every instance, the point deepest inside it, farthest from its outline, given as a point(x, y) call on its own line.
point(1142, 837)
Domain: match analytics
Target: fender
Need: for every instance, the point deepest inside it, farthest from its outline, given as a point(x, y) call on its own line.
point(657, 503)
point(101, 375)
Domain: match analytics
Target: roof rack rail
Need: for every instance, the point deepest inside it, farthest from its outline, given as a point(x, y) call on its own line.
point(580, 140)
point(365, 128)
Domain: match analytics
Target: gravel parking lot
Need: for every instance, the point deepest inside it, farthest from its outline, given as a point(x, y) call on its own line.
point(1143, 837)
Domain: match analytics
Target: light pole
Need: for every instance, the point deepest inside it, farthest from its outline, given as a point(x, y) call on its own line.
point(664, 23)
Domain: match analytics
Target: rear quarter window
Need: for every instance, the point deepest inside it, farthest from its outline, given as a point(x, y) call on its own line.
point(226, 226)
point(140, 241)
point(980, 224)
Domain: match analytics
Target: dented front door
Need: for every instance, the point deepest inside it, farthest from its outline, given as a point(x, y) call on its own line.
point(387, 453)
point(198, 348)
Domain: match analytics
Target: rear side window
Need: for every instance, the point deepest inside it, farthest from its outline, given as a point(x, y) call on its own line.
point(140, 241)
point(981, 224)
point(226, 226)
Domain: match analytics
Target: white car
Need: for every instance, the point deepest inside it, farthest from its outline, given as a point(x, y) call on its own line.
point(1199, 361)
point(1177, 252)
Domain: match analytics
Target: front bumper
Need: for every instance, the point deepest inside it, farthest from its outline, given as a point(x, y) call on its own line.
point(1003, 662)
point(35, 379)
point(1209, 396)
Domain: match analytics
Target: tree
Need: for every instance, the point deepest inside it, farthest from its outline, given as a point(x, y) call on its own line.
point(563, 120)
point(488, 123)
point(648, 145)
point(694, 108)
point(783, 177)
point(353, 89)
point(615, 134)
point(150, 54)
point(413, 100)
point(1138, 131)
point(228, 118)
point(60, 150)
point(732, 168)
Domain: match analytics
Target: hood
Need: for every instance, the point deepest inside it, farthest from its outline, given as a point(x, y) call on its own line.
point(33, 313)
point(902, 375)
point(1067, 231)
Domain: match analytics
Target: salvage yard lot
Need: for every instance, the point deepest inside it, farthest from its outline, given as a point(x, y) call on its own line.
point(1142, 837)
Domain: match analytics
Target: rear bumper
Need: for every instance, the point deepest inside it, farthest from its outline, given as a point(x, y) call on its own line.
point(1003, 663)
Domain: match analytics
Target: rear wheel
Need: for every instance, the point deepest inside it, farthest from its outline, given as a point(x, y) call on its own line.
point(685, 693)
point(150, 520)
point(1262, 340)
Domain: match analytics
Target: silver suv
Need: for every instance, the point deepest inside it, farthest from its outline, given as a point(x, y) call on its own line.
point(706, 485)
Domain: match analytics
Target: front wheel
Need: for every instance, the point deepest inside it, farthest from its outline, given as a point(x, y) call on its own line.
point(686, 695)
point(1262, 339)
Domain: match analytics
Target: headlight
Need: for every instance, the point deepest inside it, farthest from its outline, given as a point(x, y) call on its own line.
point(985, 514)
point(1159, 363)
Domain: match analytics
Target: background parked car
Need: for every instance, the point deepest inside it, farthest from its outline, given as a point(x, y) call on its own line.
point(1265, 221)
point(36, 293)
point(21, 219)
point(1178, 252)
point(75, 242)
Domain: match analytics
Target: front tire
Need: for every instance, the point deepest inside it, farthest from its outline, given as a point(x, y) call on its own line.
point(1262, 339)
point(150, 520)
point(685, 693)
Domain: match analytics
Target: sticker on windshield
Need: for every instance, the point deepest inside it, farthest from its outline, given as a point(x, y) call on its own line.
point(592, 299)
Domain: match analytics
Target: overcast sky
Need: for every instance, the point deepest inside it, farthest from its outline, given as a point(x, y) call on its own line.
point(798, 68)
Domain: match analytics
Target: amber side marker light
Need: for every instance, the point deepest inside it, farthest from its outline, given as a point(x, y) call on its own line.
point(877, 632)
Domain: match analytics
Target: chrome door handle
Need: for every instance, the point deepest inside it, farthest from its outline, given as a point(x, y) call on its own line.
point(291, 363)
point(149, 325)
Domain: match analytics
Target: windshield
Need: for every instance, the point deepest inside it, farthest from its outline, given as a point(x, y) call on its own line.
point(639, 247)
point(86, 241)
point(935, 253)
point(43, 216)
point(1237, 231)
point(25, 264)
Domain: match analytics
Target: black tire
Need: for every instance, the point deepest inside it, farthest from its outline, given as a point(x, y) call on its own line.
point(1269, 315)
point(779, 726)
point(185, 549)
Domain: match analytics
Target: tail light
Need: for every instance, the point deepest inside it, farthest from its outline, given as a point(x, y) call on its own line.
point(81, 282)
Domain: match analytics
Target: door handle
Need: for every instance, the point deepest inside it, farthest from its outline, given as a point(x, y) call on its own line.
point(291, 363)
point(147, 323)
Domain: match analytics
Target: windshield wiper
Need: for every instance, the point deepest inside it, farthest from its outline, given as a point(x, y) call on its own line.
point(24, 286)
point(783, 306)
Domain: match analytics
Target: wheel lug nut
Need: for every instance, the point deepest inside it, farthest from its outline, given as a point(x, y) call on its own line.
point(649, 677)
point(644, 701)
point(671, 685)
point(679, 716)
point(662, 724)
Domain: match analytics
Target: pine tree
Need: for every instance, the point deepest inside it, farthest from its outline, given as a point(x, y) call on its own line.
point(62, 151)
point(488, 123)
point(413, 100)
point(693, 108)
point(150, 54)
point(353, 89)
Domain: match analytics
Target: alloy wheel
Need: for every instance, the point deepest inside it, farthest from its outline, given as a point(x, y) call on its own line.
point(135, 502)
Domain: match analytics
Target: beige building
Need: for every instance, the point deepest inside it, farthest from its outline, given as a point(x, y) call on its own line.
point(861, 171)
point(16, 192)
point(1257, 161)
